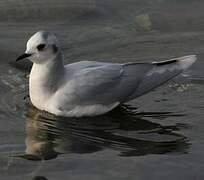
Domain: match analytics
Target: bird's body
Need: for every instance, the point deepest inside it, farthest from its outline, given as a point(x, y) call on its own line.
point(90, 88)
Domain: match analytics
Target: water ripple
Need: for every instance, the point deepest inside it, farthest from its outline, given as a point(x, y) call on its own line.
point(123, 130)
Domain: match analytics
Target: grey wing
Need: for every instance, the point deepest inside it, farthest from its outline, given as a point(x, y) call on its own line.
point(96, 84)
point(107, 83)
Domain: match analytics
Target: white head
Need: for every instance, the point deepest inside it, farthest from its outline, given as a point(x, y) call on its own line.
point(41, 47)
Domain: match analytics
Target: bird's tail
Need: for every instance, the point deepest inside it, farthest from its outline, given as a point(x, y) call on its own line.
point(161, 72)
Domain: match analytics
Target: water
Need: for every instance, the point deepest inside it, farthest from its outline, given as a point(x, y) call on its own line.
point(157, 136)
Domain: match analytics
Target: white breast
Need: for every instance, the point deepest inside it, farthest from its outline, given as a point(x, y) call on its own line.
point(39, 93)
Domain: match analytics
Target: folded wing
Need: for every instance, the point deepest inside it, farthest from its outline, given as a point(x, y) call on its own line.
point(108, 83)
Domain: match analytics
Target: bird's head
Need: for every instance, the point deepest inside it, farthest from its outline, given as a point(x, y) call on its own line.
point(41, 47)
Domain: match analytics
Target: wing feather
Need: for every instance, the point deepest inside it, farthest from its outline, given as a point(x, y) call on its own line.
point(161, 72)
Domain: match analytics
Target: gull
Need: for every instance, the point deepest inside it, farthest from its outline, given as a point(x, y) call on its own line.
point(90, 88)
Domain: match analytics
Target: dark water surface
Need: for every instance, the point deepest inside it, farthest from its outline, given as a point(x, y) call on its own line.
point(157, 136)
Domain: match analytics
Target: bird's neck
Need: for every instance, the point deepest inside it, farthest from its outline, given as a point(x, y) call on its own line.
point(46, 78)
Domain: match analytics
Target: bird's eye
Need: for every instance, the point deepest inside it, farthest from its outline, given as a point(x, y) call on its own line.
point(40, 47)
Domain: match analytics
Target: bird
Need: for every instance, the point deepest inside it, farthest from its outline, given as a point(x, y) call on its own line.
point(90, 88)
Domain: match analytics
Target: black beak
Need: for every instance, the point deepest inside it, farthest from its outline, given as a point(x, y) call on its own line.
point(23, 56)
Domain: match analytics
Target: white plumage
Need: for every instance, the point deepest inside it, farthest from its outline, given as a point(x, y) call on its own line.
point(90, 88)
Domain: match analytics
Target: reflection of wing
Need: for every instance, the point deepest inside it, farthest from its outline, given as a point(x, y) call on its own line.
point(48, 136)
point(161, 73)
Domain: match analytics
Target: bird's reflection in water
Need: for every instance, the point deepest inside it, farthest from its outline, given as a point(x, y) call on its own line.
point(123, 130)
